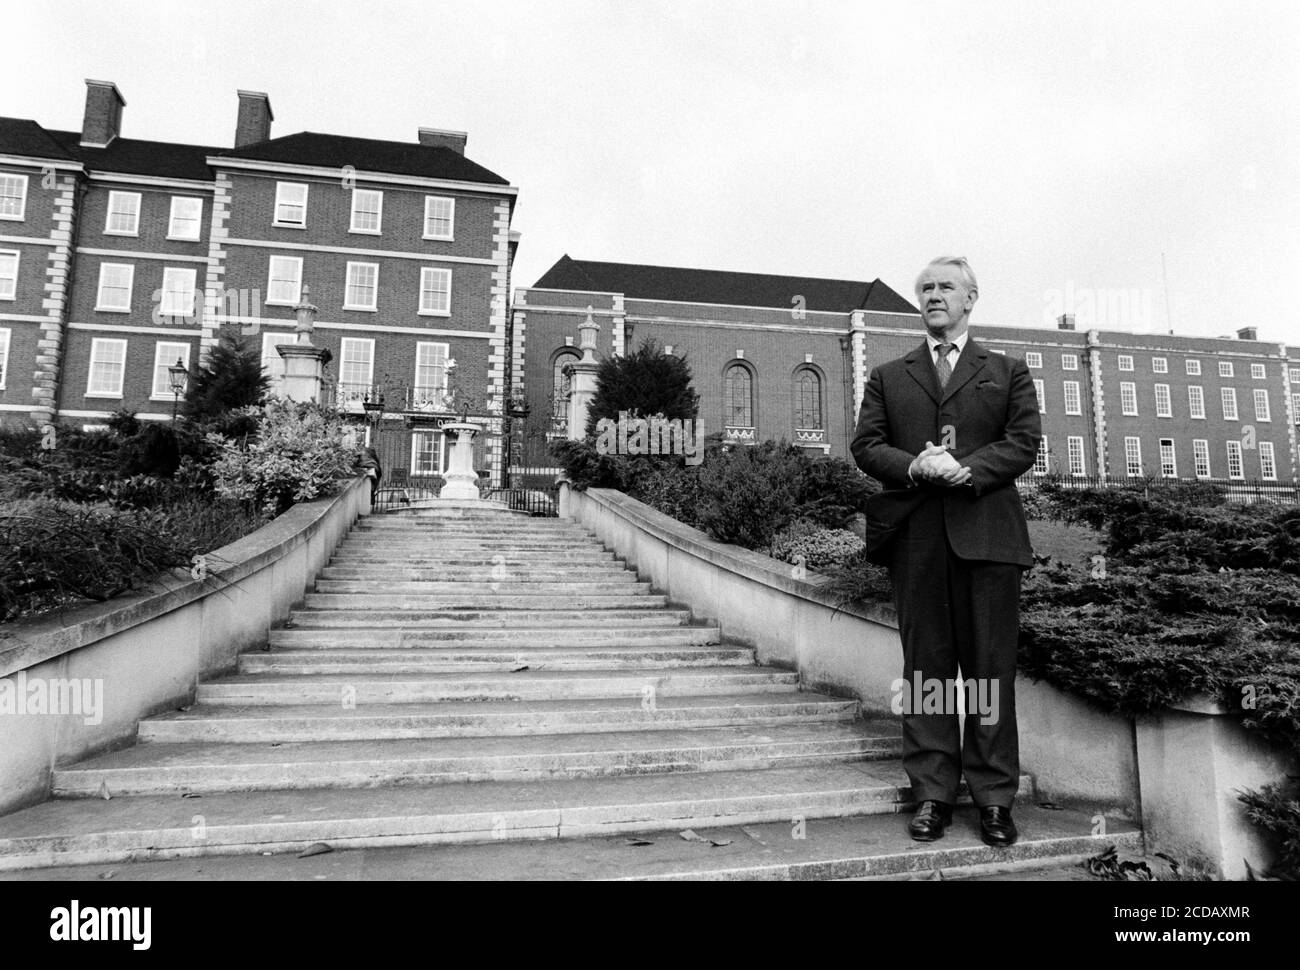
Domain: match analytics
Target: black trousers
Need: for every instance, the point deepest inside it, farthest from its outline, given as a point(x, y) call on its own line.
point(959, 620)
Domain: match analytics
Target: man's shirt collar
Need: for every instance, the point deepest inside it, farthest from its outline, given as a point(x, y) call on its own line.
point(933, 343)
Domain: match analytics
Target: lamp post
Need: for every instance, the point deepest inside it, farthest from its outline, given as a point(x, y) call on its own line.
point(177, 374)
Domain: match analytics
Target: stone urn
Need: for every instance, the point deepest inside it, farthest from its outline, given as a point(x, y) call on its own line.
point(460, 477)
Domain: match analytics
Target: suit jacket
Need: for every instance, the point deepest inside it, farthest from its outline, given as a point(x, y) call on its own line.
point(992, 410)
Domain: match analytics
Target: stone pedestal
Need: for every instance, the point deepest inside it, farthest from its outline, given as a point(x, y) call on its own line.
point(461, 478)
point(582, 379)
point(304, 370)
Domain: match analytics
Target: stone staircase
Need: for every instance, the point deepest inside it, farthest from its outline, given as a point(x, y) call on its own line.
point(467, 677)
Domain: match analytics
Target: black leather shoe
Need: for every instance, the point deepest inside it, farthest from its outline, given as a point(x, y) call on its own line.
point(996, 827)
point(930, 820)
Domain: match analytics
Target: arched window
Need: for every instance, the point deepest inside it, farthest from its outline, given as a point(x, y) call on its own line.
point(560, 390)
point(738, 397)
point(807, 399)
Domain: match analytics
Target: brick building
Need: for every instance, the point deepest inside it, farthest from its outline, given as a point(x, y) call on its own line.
point(788, 357)
point(119, 257)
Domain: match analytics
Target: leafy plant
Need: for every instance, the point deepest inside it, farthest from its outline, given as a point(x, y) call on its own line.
point(814, 545)
point(1276, 809)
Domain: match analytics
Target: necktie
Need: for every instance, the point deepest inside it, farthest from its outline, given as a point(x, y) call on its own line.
point(944, 368)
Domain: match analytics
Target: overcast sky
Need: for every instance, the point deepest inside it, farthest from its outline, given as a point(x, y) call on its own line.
point(1061, 147)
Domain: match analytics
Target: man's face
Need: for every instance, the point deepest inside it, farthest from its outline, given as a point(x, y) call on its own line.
point(944, 299)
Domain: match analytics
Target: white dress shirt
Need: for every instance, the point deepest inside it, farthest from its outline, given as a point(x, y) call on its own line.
point(958, 342)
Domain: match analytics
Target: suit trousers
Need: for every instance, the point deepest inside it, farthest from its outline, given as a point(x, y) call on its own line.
point(957, 614)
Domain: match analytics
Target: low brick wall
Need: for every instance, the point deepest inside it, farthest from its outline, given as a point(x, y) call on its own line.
point(147, 651)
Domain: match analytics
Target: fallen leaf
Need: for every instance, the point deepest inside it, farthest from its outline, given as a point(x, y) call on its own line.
point(690, 836)
point(316, 848)
point(719, 843)
point(1050, 806)
point(108, 875)
point(637, 842)
point(518, 669)
point(190, 794)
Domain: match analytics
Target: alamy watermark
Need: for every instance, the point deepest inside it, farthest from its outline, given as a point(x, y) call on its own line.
point(930, 695)
point(21, 695)
point(651, 436)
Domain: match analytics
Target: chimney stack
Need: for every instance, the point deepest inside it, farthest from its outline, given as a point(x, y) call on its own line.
point(438, 137)
point(102, 121)
point(1065, 321)
point(255, 118)
point(1247, 333)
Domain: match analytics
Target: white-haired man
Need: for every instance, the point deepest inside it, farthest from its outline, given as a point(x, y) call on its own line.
point(947, 429)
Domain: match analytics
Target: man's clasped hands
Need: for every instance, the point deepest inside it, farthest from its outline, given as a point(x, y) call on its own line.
point(936, 465)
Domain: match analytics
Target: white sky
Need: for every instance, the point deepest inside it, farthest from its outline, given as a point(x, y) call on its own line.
point(1061, 147)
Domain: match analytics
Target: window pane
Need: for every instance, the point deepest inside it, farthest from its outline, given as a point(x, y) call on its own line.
point(165, 356)
point(186, 218)
point(366, 206)
point(123, 212)
point(363, 280)
point(8, 275)
point(738, 398)
point(435, 290)
point(107, 363)
point(438, 214)
point(291, 203)
point(808, 398)
point(13, 193)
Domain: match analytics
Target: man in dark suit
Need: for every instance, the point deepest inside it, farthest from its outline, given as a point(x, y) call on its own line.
point(947, 429)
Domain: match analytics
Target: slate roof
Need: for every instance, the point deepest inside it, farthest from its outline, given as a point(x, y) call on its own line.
point(721, 286)
point(367, 155)
point(134, 156)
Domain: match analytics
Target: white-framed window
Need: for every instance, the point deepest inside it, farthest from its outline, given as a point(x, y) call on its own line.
point(1033, 360)
point(1196, 401)
point(435, 291)
point(439, 217)
point(1236, 469)
point(1042, 394)
point(1069, 362)
point(284, 280)
point(115, 283)
point(367, 211)
point(1261, 405)
point(165, 355)
point(1295, 407)
point(1074, 449)
point(1072, 399)
point(1201, 457)
point(1128, 398)
point(107, 367)
point(290, 204)
point(123, 214)
point(1229, 397)
point(1125, 362)
point(1168, 461)
point(1225, 368)
point(362, 291)
point(428, 452)
point(1293, 374)
point(186, 219)
point(9, 274)
point(1160, 365)
point(1267, 466)
point(1041, 466)
point(178, 291)
point(272, 362)
point(1257, 372)
point(13, 197)
point(1164, 408)
point(1133, 457)
point(1193, 368)
point(430, 372)
point(4, 357)
point(356, 367)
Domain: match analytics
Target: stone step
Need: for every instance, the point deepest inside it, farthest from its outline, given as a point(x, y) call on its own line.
point(343, 557)
point(474, 685)
point(498, 573)
point(445, 660)
point(434, 541)
point(478, 619)
point(374, 722)
point(86, 831)
point(415, 638)
point(525, 527)
point(605, 585)
point(856, 847)
point(495, 601)
point(206, 768)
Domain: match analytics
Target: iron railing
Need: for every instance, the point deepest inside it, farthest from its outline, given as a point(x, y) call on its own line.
point(1234, 489)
